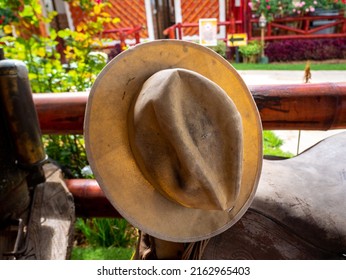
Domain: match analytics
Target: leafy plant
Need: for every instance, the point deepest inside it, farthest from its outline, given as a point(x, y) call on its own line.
point(250, 51)
point(61, 61)
point(273, 8)
point(7, 16)
point(303, 7)
point(55, 66)
point(220, 48)
point(106, 232)
point(272, 144)
point(68, 152)
point(270, 8)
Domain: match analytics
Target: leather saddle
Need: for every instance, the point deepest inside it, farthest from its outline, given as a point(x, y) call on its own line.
point(299, 211)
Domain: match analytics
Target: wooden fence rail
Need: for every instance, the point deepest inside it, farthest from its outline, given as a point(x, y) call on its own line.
point(307, 106)
point(289, 107)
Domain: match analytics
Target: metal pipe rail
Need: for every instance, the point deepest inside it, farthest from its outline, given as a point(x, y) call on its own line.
point(89, 199)
point(288, 107)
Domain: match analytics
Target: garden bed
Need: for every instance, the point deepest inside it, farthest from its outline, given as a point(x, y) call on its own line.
point(300, 50)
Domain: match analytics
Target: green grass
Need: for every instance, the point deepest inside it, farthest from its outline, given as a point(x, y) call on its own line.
point(100, 253)
point(316, 66)
point(105, 232)
point(103, 239)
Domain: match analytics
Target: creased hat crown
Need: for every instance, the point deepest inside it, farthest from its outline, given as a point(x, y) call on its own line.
point(188, 139)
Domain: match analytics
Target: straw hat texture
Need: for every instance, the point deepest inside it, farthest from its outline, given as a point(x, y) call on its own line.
point(174, 139)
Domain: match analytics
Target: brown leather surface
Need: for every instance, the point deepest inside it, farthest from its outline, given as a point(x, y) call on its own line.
point(256, 237)
point(307, 193)
point(299, 211)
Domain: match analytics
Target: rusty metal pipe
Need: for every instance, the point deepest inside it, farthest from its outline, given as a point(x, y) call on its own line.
point(305, 107)
point(290, 107)
point(61, 113)
point(89, 199)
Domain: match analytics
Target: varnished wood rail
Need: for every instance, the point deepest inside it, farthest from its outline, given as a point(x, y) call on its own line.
point(307, 106)
point(290, 107)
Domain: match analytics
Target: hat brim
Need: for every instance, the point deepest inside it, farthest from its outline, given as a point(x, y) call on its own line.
point(111, 158)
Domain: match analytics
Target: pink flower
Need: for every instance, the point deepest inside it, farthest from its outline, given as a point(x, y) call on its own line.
point(250, 5)
point(312, 9)
point(268, 7)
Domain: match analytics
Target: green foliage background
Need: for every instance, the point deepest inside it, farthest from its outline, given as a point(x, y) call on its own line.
point(60, 61)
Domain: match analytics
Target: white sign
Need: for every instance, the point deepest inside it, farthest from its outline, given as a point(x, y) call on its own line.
point(208, 31)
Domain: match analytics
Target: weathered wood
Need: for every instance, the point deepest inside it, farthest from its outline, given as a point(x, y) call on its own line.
point(14, 194)
point(50, 228)
point(306, 107)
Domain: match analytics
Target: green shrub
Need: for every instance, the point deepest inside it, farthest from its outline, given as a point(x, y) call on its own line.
point(220, 48)
point(106, 232)
point(272, 145)
point(75, 66)
point(251, 51)
point(68, 152)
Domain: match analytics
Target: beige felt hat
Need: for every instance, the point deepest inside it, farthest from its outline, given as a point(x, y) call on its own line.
point(174, 139)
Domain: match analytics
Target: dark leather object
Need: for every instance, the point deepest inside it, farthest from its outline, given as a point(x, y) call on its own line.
point(299, 211)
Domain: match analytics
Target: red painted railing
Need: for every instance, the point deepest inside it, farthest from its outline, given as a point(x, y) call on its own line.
point(300, 27)
point(123, 33)
point(176, 31)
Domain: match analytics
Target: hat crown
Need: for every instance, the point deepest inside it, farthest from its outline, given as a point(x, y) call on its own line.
point(187, 139)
